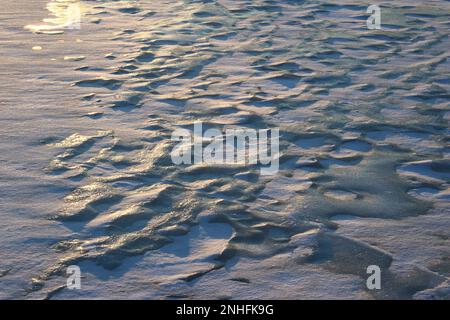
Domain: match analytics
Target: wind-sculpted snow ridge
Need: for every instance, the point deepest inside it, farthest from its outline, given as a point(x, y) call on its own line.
point(363, 118)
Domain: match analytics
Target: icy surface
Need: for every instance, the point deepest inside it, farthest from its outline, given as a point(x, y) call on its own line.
point(86, 176)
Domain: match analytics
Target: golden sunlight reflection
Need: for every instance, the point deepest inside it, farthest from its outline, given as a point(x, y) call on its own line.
point(66, 14)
